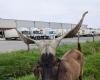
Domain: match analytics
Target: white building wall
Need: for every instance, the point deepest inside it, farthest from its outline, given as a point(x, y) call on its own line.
point(7, 23)
point(54, 25)
point(10, 23)
point(23, 23)
point(66, 26)
point(40, 24)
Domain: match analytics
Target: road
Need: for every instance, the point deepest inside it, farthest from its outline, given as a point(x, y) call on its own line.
point(7, 46)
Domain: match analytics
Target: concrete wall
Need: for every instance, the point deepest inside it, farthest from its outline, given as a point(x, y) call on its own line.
point(23, 23)
point(10, 23)
point(40, 24)
point(6, 23)
point(54, 25)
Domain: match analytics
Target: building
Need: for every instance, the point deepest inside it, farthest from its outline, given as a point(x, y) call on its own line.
point(6, 24)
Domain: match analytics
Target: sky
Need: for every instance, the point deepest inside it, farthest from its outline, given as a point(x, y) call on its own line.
point(63, 11)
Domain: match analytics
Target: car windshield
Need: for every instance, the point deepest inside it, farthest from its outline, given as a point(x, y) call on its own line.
point(37, 32)
point(25, 32)
point(51, 32)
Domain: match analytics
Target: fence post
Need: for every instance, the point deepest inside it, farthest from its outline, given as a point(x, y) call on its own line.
point(93, 36)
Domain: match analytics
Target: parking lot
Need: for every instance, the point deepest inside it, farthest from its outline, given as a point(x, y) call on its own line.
point(6, 46)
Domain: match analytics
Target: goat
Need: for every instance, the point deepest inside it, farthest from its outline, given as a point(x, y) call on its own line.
point(52, 68)
point(71, 66)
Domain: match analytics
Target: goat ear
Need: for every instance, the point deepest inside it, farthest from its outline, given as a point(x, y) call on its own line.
point(37, 70)
point(71, 33)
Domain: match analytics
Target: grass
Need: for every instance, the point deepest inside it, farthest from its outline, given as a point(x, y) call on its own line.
point(90, 48)
point(29, 77)
point(18, 63)
point(21, 63)
point(91, 69)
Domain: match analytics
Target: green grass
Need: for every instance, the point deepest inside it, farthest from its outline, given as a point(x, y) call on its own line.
point(18, 63)
point(91, 69)
point(21, 63)
point(29, 77)
point(90, 48)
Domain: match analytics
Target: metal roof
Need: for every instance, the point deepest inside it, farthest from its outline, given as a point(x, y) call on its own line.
point(11, 23)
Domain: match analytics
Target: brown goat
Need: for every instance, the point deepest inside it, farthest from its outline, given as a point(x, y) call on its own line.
point(51, 68)
point(71, 66)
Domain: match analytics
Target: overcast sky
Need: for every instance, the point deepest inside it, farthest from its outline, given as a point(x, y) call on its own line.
point(66, 11)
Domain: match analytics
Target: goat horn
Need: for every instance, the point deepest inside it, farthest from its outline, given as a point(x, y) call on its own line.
point(28, 40)
point(70, 33)
point(25, 38)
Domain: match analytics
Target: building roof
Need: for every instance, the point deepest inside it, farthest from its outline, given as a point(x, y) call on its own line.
point(11, 23)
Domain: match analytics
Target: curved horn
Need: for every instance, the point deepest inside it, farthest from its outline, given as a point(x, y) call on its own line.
point(25, 38)
point(74, 31)
point(28, 40)
point(70, 33)
point(42, 44)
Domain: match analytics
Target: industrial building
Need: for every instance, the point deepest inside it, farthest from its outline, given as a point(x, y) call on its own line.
point(6, 24)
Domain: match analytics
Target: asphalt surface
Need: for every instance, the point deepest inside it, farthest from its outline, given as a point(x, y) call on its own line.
point(7, 46)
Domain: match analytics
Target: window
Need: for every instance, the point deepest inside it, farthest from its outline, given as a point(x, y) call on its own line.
point(37, 32)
